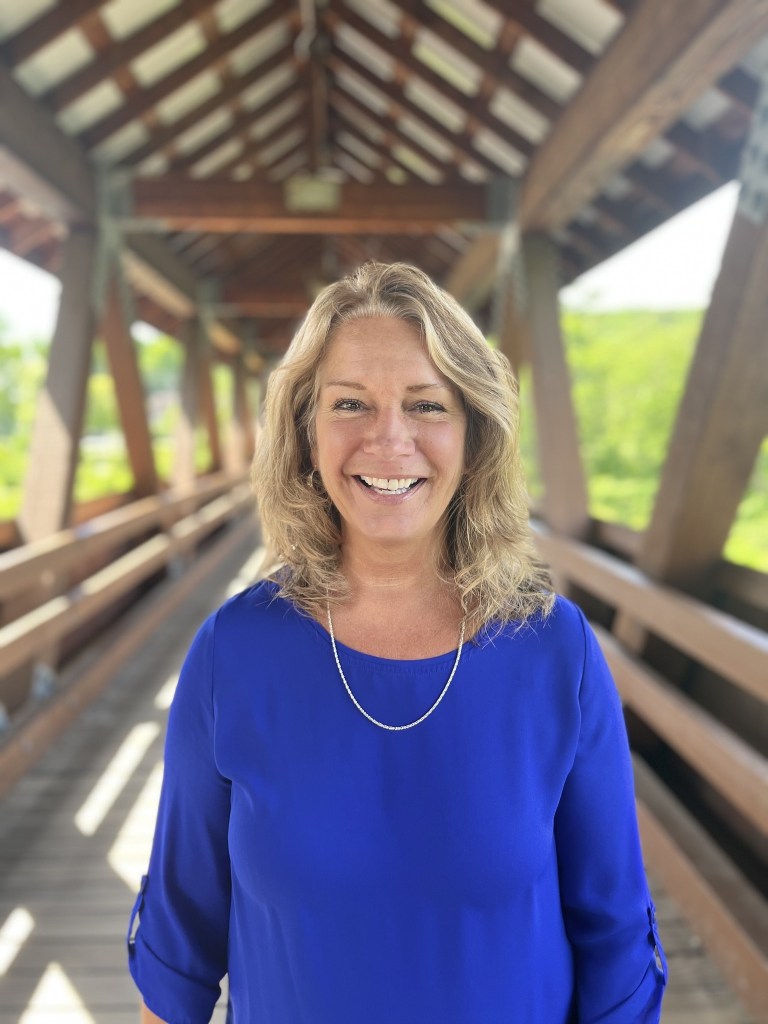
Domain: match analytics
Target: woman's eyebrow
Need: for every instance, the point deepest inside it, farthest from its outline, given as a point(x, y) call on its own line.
point(344, 384)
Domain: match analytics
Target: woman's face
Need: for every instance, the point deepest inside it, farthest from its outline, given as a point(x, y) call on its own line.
point(389, 434)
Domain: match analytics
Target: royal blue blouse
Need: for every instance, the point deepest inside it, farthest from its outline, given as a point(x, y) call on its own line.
point(483, 867)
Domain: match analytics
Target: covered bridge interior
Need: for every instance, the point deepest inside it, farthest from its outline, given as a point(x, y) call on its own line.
point(207, 165)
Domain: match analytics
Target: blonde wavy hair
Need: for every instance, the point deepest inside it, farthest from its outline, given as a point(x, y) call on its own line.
point(489, 554)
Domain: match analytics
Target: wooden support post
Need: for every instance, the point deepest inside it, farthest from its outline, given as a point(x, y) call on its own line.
point(184, 463)
point(207, 397)
point(49, 484)
point(723, 415)
point(121, 353)
point(242, 419)
point(565, 492)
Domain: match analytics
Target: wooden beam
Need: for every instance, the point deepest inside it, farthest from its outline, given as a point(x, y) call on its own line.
point(129, 390)
point(565, 490)
point(666, 56)
point(45, 29)
point(49, 484)
point(39, 162)
point(721, 422)
point(226, 206)
point(243, 300)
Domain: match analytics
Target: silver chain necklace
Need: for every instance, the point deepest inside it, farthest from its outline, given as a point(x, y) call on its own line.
point(383, 725)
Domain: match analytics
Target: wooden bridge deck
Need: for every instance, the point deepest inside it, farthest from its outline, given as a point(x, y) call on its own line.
point(74, 841)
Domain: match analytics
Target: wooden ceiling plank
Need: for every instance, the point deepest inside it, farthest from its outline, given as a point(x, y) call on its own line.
point(664, 59)
point(476, 107)
point(255, 146)
point(461, 142)
point(545, 33)
point(383, 149)
point(492, 63)
point(167, 135)
point(46, 29)
point(210, 57)
point(120, 54)
point(339, 99)
point(239, 126)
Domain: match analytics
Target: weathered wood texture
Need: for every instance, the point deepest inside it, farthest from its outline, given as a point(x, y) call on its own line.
point(565, 491)
point(721, 421)
point(129, 390)
point(48, 488)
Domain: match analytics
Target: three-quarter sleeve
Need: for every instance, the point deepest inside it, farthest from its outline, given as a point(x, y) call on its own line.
point(178, 954)
point(609, 915)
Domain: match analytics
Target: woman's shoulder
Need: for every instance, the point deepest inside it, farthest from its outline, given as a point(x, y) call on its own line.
point(257, 606)
point(562, 624)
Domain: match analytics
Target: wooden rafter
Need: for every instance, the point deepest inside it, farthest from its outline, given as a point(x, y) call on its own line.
point(460, 142)
point(117, 57)
point(408, 65)
point(148, 98)
point(239, 128)
point(46, 29)
point(164, 138)
point(667, 55)
point(256, 146)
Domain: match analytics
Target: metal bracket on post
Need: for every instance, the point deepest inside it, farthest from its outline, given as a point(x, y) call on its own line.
point(114, 204)
point(753, 197)
point(44, 679)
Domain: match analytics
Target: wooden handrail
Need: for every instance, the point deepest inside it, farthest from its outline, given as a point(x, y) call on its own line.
point(723, 907)
point(21, 639)
point(22, 567)
point(718, 754)
point(732, 648)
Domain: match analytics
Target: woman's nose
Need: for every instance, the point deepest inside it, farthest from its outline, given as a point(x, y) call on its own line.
point(390, 434)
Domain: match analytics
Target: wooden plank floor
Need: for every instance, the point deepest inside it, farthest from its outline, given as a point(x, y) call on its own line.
point(74, 841)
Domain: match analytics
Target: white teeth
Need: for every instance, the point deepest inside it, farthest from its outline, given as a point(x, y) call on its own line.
point(397, 484)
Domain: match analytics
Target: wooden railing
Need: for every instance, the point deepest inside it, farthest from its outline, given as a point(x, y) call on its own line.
point(724, 907)
point(73, 582)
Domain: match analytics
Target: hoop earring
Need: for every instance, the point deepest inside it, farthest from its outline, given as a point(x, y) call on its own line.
point(309, 480)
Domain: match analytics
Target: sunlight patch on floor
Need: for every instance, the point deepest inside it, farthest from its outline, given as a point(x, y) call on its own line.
point(115, 777)
point(165, 693)
point(130, 851)
point(14, 932)
point(55, 1001)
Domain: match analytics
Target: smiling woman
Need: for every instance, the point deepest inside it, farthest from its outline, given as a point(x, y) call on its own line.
point(376, 821)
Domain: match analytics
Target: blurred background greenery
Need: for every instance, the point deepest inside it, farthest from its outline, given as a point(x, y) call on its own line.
point(629, 370)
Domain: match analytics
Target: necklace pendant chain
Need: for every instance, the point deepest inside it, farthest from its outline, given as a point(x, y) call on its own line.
point(361, 709)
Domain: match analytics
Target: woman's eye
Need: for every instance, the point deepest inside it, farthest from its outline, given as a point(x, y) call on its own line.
point(429, 407)
point(348, 404)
